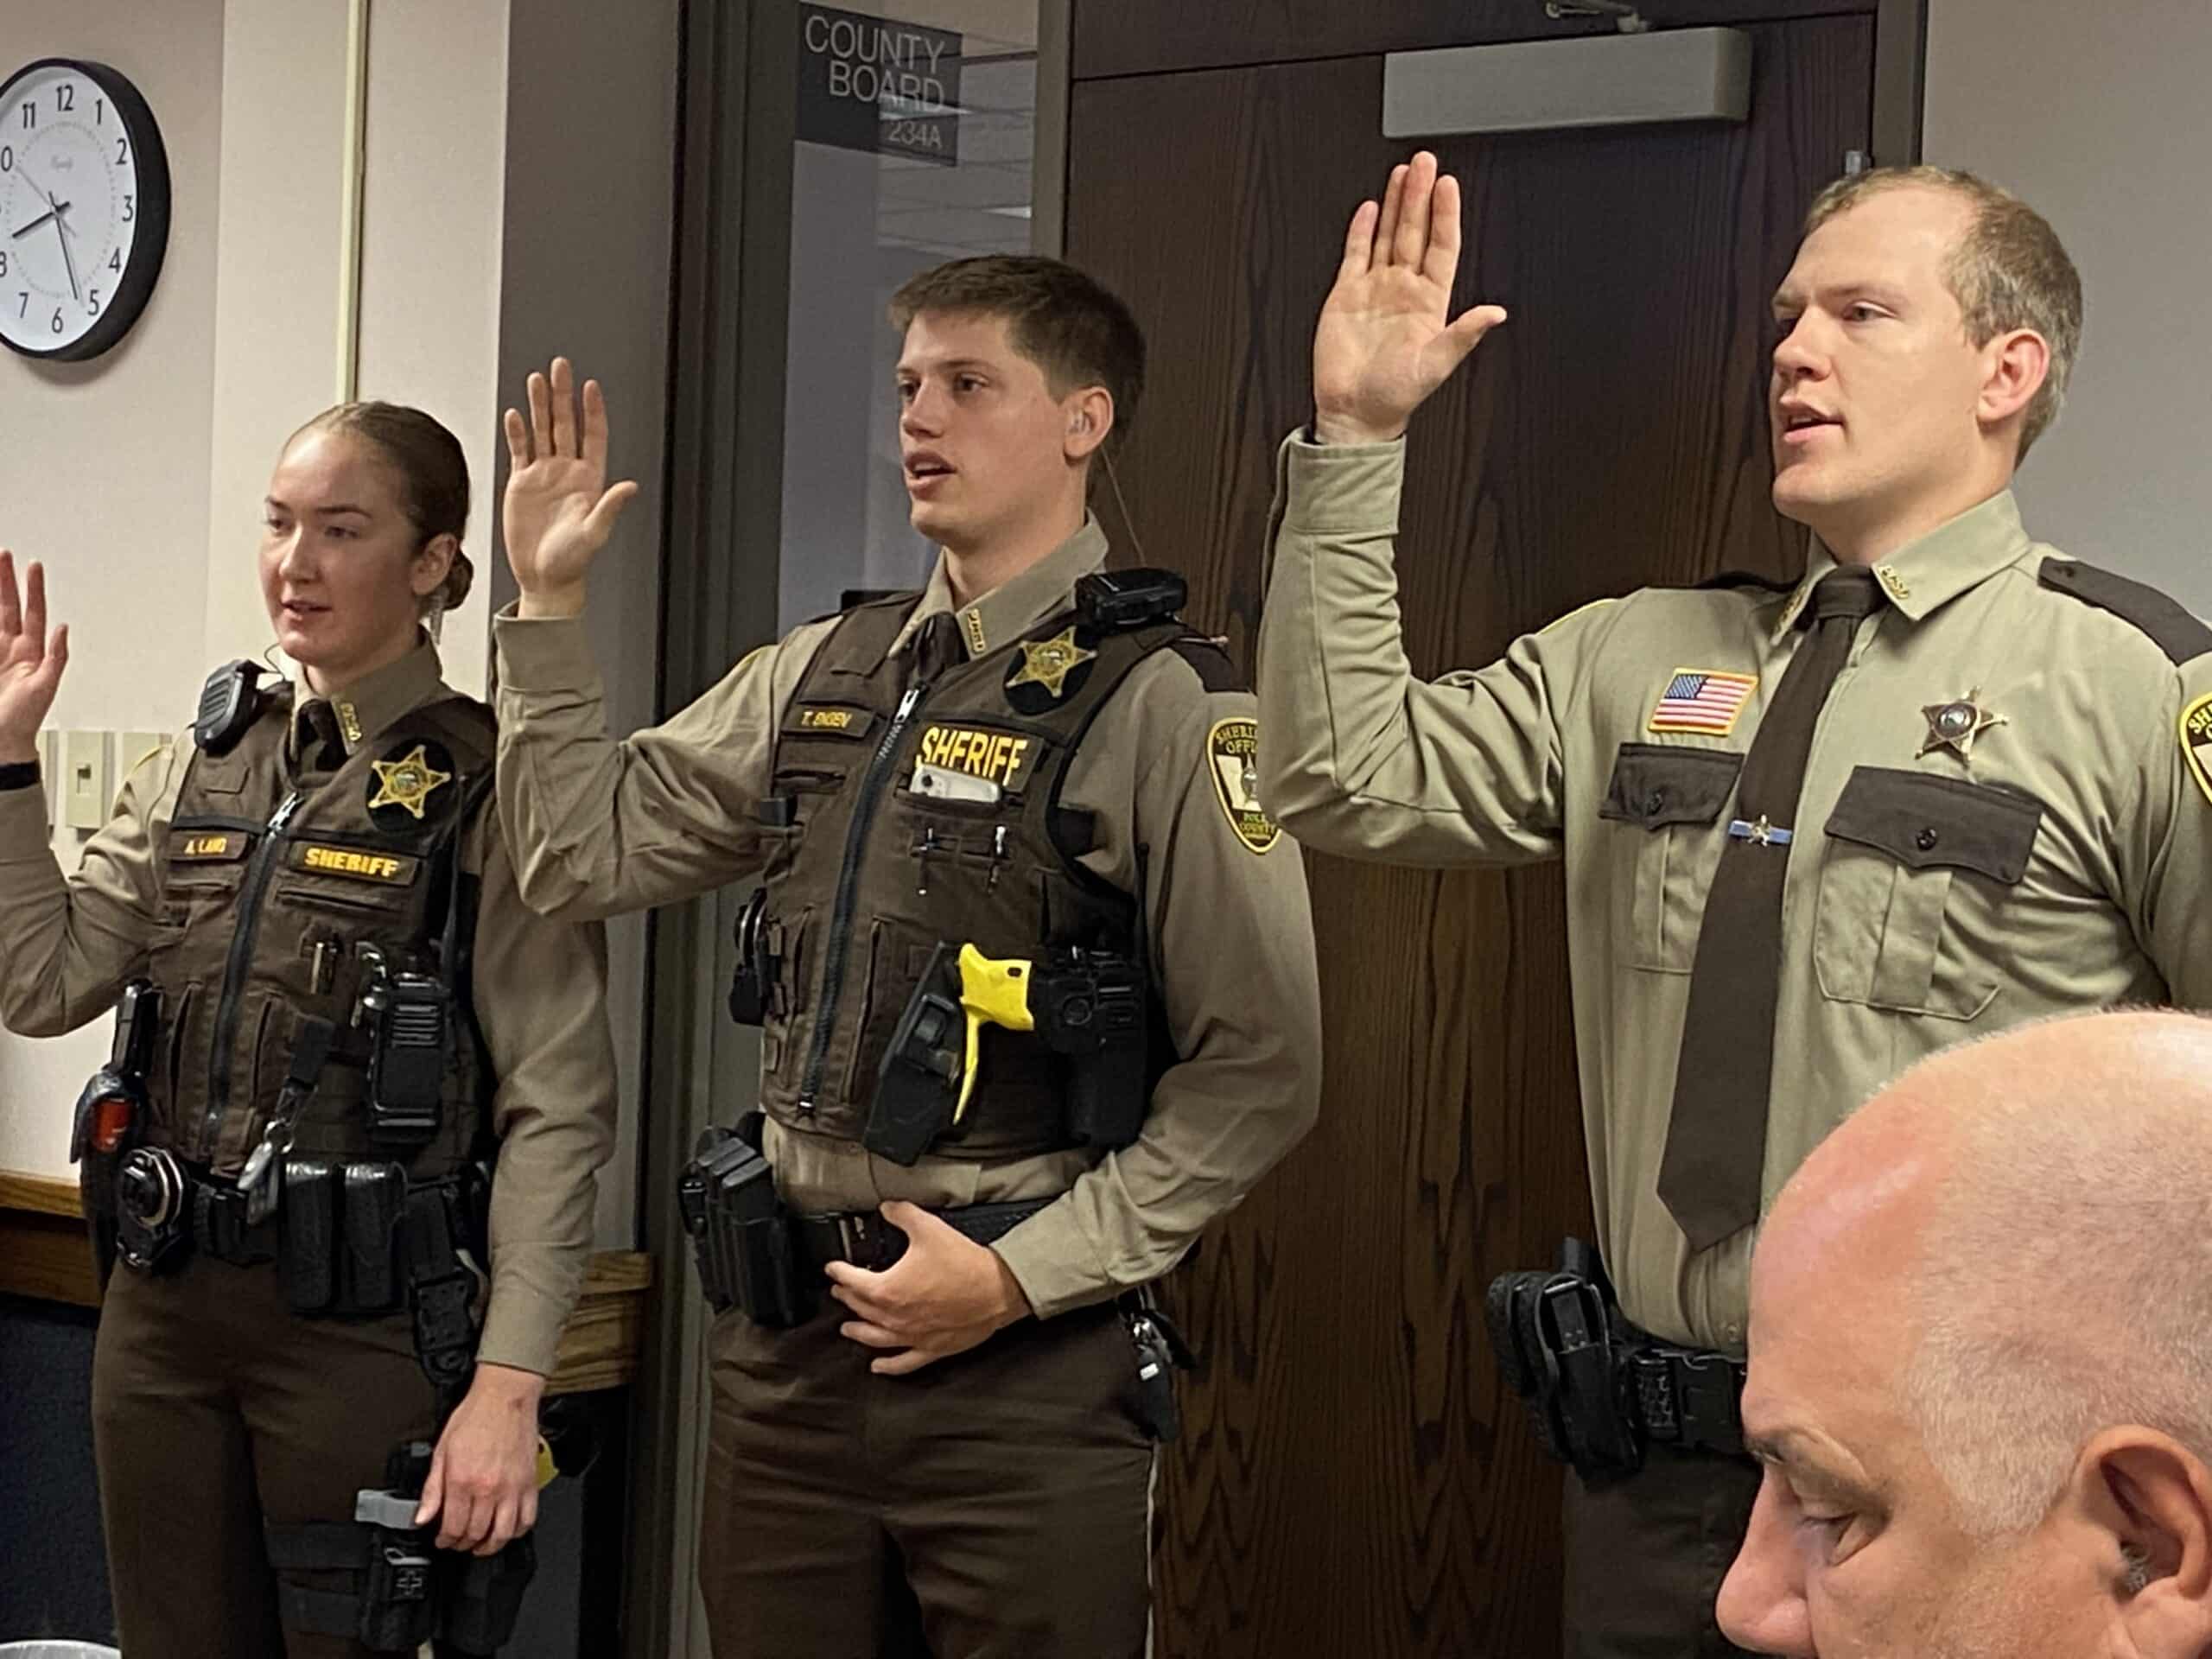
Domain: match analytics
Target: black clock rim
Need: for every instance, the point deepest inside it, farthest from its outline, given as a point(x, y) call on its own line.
point(137, 286)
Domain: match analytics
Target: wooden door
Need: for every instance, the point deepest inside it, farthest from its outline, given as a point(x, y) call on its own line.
point(1352, 1481)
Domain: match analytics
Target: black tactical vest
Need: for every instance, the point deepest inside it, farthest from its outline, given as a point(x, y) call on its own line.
point(906, 815)
point(275, 905)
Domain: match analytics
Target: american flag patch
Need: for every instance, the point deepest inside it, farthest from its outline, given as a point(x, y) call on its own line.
point(1702, 700)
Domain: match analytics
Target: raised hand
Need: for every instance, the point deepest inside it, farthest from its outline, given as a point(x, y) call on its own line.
point(30, 662)
point(559, 508)
point(1387, 338)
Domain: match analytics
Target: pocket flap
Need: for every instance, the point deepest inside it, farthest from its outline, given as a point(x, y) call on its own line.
point(1926, 823)
point(1656, 785)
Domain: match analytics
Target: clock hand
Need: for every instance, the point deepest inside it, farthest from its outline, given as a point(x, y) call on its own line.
point(62, 233)
point(33, 224)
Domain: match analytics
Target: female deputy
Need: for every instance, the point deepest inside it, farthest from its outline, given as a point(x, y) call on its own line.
point(336, 1015)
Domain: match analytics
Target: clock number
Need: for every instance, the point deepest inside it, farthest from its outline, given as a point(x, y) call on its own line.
point(129, 211)
point(57, 319)
point(95, 304)
point(3, 262)
point(30, 114)
point(7, 159)
point(100, 111)
point(23, 303)
point(121, 151)
point(65, 98)
point(115, 260)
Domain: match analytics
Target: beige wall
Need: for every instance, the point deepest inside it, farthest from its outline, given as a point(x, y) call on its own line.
point(104, 469)
point(2097, 114)
point(140, 479)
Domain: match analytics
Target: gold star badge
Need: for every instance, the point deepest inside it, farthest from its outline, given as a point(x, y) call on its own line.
point(407, 781)
point(1049, 662)
point(1954, 725)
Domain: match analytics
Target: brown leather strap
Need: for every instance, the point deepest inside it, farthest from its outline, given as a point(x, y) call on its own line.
point(1710, 1174)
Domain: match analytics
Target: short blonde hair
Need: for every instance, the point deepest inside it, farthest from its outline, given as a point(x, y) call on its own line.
point(2009, 270)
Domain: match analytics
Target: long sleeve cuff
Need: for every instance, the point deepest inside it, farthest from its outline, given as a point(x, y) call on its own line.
point(1333, 488)
point(543, 653)
point(1053, 1263)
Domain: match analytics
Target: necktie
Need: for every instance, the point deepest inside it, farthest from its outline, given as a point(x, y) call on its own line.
point(316, 740)
point(1710, 1174)
point(936, 647)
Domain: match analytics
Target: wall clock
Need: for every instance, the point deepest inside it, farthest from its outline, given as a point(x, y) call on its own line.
point(84, 208)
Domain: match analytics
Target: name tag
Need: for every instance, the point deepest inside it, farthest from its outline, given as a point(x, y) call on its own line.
point(830, 719)
point(208, 846)
point(1003, 758)
point(386, 869)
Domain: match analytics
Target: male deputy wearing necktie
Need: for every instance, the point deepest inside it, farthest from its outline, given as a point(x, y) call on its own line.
point(1948, 781)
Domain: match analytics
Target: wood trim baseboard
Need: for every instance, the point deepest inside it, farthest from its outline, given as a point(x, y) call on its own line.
point(44, 1255)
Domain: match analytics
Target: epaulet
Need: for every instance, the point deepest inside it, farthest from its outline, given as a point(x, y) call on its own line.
point(1216, 670)
point(2165, 618)
point(1749, 579)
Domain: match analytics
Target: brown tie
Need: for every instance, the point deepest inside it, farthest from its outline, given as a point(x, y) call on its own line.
point(316, 740)
point(936, 647)
point(1710, 1174)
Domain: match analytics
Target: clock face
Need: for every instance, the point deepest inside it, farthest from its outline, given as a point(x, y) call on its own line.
point(84, 208)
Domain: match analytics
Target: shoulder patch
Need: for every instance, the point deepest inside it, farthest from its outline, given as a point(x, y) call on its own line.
point(1232, 755)
point(2196, 741)
point(2166, 620)
point(1215, 672)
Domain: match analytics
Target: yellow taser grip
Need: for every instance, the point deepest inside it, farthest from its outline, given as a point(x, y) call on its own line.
point(545, 1467)
point(991, 992)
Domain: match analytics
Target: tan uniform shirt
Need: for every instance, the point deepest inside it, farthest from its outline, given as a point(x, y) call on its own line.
point(603, 827)
point(1920, 910)
point(68, 946)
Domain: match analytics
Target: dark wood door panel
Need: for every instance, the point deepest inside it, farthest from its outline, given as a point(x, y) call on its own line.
point(1143, 37)
point(1351, 1481)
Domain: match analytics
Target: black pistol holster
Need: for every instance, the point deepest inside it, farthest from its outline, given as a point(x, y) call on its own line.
point(1599, 1391)
point(401, 1591)
point(740, 1233)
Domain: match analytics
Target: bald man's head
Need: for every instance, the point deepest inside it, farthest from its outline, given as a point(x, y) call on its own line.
point(1988, 1298)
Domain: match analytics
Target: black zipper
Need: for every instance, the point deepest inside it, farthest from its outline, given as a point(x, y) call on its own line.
point(841, 917)
point(227, 1010)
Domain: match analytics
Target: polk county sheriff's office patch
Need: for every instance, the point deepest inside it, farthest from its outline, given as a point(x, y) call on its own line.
point(2196, 741)
point(1233, 751)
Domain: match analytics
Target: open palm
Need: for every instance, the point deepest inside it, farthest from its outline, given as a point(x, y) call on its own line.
point(30, 662)
point(1386, 337)
point(559, 510)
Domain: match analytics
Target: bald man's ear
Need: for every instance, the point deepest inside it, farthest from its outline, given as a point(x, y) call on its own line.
point(2147, 1501)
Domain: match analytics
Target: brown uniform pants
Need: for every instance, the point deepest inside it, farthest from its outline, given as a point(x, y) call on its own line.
point(1645, 1557)
point(1011, 1483)
point(216, 1409)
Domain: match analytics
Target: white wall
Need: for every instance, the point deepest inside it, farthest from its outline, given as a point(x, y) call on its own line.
point(104, 469)
point(2097, 114)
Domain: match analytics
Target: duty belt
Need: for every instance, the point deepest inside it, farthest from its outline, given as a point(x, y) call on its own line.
point(1685, 1397)
point(867, 1240)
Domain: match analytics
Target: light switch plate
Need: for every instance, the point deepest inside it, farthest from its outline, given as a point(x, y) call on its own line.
point(86, 788)
point(132, 747)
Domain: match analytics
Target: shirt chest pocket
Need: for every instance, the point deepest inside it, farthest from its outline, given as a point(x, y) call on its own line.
point(1668, 801)
point(1914, 880)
